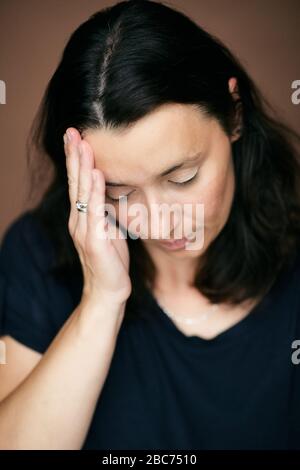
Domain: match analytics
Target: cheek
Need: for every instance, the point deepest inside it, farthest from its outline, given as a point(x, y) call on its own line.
point(217, 195)
point(136, 224)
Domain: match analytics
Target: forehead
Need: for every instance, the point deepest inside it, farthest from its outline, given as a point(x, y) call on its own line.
point(162, 137)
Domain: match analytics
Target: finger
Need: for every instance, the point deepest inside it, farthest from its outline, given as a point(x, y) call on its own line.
point(97, 222)
point(72, 166)
point(84, 183)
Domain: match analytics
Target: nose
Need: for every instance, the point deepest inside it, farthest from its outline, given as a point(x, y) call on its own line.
point(161, 217)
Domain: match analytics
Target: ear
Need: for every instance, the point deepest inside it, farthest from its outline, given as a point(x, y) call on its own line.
point(238, 126)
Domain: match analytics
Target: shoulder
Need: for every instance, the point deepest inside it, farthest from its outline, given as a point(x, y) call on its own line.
point(286, 290)
point(34, 304)
point(24, 244)
point(291, 270)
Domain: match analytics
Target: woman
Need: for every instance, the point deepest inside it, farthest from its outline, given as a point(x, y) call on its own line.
point(141, 342)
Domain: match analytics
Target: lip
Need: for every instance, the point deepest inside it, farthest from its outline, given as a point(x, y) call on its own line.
point(174, 245)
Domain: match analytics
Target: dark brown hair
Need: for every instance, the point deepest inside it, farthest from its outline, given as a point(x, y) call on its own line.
point(131, 58)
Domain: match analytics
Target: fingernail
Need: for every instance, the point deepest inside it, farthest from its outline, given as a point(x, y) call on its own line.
point(69, 134)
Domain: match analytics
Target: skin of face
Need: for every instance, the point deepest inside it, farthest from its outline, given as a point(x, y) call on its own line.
point(135, 157)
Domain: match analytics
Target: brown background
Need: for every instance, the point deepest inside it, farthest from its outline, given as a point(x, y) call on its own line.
point(264, 34)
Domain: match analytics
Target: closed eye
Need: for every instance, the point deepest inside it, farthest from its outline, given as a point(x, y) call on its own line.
point(173, 182)
point(117, 199)
point(184, 182)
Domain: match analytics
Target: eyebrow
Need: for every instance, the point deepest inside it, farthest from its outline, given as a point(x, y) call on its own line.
point(163, 173)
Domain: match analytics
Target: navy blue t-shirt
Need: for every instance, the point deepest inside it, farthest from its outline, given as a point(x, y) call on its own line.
point(164, 389)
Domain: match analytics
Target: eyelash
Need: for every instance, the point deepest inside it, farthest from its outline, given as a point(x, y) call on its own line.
point(185, 182)
point(115, 200)
point(173, 182)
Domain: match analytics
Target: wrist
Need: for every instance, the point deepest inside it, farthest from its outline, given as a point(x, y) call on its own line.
point(100, 314)
point(112, 300)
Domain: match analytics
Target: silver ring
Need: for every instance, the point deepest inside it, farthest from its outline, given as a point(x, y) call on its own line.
point(81, 206)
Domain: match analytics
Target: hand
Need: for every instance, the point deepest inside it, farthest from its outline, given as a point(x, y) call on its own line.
point(104, 260)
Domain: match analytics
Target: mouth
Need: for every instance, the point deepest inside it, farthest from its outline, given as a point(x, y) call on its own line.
point(177, 244)
point(174, 244)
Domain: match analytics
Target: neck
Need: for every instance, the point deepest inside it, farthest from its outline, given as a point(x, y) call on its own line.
point(172, 273)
